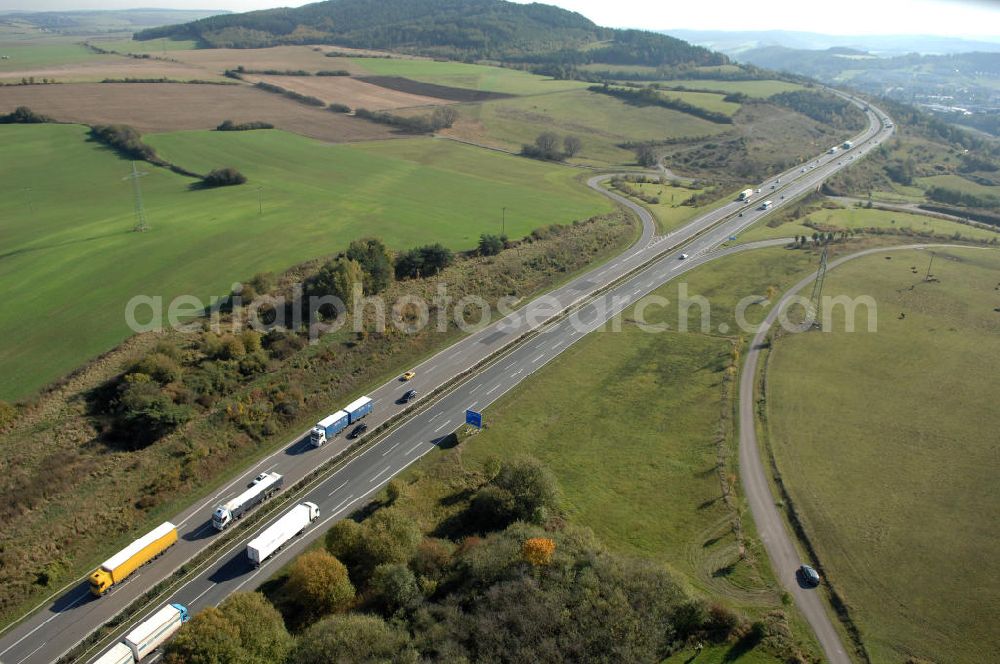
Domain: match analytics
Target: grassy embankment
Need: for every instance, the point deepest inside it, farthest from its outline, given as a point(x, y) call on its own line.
point(886, 443)
point(671, 212)
point(633, 425)
point(862, 218)
point(71, 259)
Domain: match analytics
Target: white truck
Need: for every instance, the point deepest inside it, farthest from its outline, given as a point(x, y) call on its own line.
point(847, 145)
point(263, 488)
point(119, 654)
point(833, 150)
point(152, 633)
point(279, 532)
point(766, 205)
point(746, 194)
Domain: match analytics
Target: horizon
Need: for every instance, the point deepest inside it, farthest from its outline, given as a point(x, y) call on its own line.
point(963, 19)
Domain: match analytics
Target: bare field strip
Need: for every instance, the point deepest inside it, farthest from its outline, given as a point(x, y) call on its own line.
point(110, 67)
point(351, 91)
point(277, 57)
point(446, 92)
point(162, 107)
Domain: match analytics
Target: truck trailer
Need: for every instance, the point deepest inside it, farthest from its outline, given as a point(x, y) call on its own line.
point(260, 491)
point(746, 194)
point(328, 427)
point(119, 566)
point(279, 532)
point(119, 654)
point(766, 205)
point(359, 408)
point(153, 632)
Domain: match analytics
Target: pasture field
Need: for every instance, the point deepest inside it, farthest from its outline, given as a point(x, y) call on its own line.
point(886, 442)
point(707, 100)
point(671, 212)
point(759, 89)
point(862, 218)
point(309, 58)
point(958, 183)
point(601, 122)
point(463, 75)
point(24, 55)
point(70, 259)
point(152, 46)
point(164, 107)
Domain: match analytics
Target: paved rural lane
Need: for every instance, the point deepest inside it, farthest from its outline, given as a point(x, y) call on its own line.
point(785, 558)
point(69, 617)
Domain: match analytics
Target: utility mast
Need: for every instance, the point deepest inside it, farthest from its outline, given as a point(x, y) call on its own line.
point(140, 213)
point(816, 298)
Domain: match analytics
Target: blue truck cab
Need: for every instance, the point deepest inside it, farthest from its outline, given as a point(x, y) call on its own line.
point(328, 427)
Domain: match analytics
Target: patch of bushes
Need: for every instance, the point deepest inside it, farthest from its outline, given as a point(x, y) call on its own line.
point(423, 261)
point(333, 72)
point(441, 118)
point(822, 107)
point(229, 125)
point(291, 94)
point(223, 177)
point(549, 146)
point(653, 97)
point(24, 115)
point(124, 139)
point(339, 108)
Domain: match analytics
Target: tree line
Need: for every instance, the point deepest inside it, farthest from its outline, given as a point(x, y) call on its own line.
point(648, 96)
point(441, 117)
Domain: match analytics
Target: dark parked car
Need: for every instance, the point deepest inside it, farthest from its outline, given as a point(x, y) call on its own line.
point(358, 430)
point(809, 575)
point(408, 397)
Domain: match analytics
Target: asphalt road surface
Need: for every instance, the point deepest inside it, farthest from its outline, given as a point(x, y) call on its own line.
point(66, 619)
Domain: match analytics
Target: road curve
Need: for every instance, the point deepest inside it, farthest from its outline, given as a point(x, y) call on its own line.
point(785, 558)
point(60, 623)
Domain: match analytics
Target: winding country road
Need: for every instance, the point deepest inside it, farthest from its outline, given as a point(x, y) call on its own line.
point(785, 558)
point(491, 361)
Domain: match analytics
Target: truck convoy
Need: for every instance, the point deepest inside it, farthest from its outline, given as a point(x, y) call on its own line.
point(262, 489)
point(279, 532)
point(331, 425)
point(119, 566)
point(147, 636)
point(746, 194)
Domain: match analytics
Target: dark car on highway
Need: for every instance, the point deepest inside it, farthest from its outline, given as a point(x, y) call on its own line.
point(409, 396)
point(358, 430)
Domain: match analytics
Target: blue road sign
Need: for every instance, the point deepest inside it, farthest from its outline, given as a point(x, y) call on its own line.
point(474, 418)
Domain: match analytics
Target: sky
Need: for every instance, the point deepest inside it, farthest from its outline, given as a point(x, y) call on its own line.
point(960, 18)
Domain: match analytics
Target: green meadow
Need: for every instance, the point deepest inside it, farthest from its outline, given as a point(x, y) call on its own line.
point(886, 442)
point(70, 261)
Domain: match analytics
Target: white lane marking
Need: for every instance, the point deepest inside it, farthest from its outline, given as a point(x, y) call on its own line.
point(201, 594)
point(442, 426)
point(343, 502)
point(475, 388)
point(557, 344)
point(31, 653)
point(430, 368)
point(509, 365)
point(379, 474)
point(76, 601)
point(494, 389)
point(471, 405)
point(410, 451)
point(436, 415)
point(337, 489)
point(390, 449)
point(538, 358)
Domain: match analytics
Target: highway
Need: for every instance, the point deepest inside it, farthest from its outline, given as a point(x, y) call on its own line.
point(61, 623)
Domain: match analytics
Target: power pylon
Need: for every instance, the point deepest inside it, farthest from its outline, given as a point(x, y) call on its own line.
point(140, 212)
point(816, 298)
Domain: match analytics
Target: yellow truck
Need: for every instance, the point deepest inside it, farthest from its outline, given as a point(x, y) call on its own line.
point(119, 566)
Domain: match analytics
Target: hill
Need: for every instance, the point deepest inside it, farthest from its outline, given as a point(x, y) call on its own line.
point(492, 29)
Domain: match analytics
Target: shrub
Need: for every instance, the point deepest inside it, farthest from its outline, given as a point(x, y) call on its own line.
point(318, 584)
point(229, 125)
point(24, 115)
point(223, 177)
point(7, 413)
point(333, 72)
point(339, 108)
point(423, 261)
point(125, 140)
point(491, 245)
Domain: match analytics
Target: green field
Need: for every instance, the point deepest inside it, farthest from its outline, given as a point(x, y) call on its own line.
point(48, 53)
point(958, 183)
point(860, 218)
point(707, 100)
point(152, 46)
point(670, 212)
point(69, 256)
point(758, 89)
point(600, 121)
point(887, 443)
point(463, 75)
